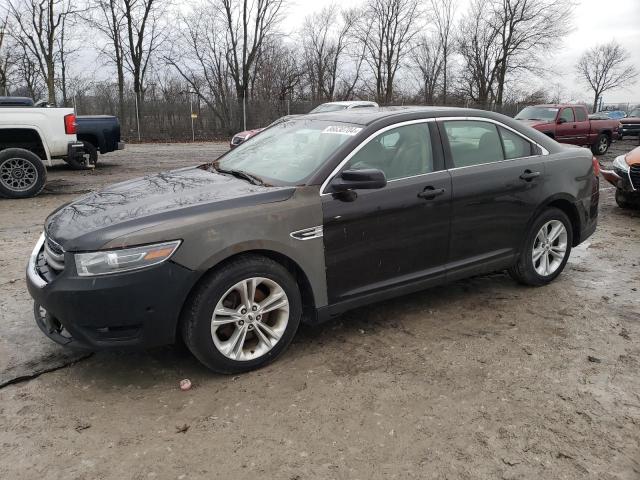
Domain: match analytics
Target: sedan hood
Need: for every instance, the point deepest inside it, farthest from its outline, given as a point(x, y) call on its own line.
point(97, 218)
point(630, 120)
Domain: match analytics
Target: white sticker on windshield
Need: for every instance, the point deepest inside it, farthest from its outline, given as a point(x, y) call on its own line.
point(342, 130)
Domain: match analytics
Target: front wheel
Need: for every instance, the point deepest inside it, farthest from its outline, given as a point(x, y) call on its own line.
point(242, 315)
point(22, 173)
point(546, 251)
point(601, 145)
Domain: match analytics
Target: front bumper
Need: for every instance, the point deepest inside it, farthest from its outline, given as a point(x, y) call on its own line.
point(133, 309)
point(620, 180)
point(630, 129)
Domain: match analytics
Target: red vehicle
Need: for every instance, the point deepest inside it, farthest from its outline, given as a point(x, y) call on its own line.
point(631, 124)
point(571, 124)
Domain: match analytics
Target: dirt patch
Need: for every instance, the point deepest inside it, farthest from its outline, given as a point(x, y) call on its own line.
point(480, 379)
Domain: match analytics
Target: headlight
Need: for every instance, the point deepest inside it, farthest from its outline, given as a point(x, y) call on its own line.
point(621, 164)
point(124, 260)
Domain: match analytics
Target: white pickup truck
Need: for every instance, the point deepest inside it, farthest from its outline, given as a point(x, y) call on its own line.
point(29, 138)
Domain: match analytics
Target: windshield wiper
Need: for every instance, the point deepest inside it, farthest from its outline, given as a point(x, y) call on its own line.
point(241, 174)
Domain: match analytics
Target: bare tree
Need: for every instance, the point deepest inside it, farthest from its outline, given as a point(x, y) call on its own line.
point(606, 67)
point(525, 29)
point(387, 29)
point(6, 60)
point(38, 24)
point(199, 55)
point(144, 34)
point(109, 19)
point(247, 26)
point(443, 15)
point(278, 72)
point(479, 51)
point(325, 38)
point(428, 61)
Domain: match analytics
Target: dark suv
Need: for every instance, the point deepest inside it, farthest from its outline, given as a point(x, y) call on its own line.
point(315, 216)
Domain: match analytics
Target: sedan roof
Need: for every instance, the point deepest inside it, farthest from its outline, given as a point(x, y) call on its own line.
point(368, 116)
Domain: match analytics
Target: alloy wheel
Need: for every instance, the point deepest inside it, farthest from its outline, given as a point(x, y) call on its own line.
point(250, 319)
point(18, 174)
point(603, 145)
point(549, 248)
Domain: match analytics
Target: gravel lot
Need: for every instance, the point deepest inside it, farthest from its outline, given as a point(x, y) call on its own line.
point(480, 379)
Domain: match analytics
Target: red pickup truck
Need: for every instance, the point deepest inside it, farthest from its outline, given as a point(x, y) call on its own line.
point(571, 124)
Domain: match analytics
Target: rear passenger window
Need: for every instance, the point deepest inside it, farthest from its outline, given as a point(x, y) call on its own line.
point(473, 142)
point(514, 145)
point(581, 115)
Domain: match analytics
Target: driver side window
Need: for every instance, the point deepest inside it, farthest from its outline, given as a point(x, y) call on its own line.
point(567, 115)
point(400, 152)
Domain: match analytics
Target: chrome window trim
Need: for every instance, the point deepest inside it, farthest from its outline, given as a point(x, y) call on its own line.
point(491, 120)
point(544, 151)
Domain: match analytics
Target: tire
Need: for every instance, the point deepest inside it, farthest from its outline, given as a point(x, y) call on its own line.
point(622, 200)
point(530, 272)
point(601, 145)
point(89, 159)
point(220, 289)
point(91, 153)
point(22, 173)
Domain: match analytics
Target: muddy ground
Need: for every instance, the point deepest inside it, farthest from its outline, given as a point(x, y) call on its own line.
point(481, 379)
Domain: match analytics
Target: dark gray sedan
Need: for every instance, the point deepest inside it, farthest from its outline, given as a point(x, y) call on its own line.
point(315, 216)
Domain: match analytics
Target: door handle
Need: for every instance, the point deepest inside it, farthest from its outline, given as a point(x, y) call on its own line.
point(528, 175)
point(430, 193)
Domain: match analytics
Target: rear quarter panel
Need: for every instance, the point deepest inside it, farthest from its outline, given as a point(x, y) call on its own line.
point(48, 122)
point(569, 176)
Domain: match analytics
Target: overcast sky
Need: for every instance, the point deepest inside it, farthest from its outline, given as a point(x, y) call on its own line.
point(594, 22)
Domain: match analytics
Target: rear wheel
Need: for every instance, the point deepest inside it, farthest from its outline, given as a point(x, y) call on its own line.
point(601, 145)
point(546, 250)
point(88, 159)
point(243, 315)
point(22, 173)
point(90, 154)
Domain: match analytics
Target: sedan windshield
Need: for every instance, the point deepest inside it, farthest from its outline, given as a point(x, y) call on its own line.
point(538, 113)
point(328, 107)
point(287, 153)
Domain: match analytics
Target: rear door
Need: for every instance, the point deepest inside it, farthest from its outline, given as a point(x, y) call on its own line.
point(497, 177)
point(397, 235)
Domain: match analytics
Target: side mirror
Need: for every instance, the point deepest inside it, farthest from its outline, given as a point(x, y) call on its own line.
point(562, 120)
point(369, 178)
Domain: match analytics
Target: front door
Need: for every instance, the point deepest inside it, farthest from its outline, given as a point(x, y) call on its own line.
point(396, 235)
point(497, 179)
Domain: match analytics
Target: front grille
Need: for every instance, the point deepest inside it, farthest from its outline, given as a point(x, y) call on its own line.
point(634, 176)
point(53, 255)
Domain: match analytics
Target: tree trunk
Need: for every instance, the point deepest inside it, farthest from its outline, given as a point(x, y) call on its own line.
point(51, 86)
